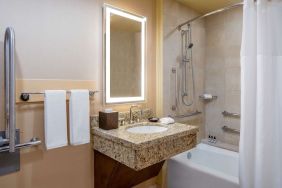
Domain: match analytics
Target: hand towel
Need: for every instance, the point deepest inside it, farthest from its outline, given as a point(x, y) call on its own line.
point(79, 117)
point(167, 120)
point(55, 119)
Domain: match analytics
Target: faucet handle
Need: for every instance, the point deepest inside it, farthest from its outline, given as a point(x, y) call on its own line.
point(134, 105)
point(122, 121)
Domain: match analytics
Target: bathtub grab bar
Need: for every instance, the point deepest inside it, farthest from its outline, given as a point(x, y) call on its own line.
point(235, 115)
point(228, 129)
point(186, 115)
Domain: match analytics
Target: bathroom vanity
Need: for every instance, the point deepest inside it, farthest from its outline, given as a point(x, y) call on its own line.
point(133, 153)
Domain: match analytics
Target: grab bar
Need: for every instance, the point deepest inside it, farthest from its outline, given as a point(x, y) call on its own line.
point(10, 113)
point(33, 142)
point(186, 115)
point(235, 115)
point(9, 55)
point(228, 129)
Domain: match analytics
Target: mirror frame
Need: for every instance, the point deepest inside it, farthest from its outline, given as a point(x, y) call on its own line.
point(108, 10)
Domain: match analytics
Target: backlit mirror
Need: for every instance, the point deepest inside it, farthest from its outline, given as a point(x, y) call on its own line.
point(124, 56)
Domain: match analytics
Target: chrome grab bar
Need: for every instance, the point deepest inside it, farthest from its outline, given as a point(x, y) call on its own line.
point(228, 129)
point(186, 115)
point(3, 141)
point(10, 116)
point(235, 115)
point(10, 99)
point(33, 142)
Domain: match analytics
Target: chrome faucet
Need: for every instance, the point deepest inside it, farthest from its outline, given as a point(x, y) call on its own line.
point(131, 115)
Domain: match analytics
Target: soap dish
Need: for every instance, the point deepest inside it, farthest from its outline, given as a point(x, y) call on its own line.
point(207, 97)
point(153, 119)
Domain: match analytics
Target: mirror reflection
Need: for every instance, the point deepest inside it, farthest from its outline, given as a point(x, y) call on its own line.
point(125, 57)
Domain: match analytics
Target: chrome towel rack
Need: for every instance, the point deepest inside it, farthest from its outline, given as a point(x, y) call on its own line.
point(25, 96)
point(228, 129)
point(229, 114)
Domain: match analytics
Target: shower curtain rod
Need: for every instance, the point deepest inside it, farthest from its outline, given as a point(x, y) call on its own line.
point(209, 14)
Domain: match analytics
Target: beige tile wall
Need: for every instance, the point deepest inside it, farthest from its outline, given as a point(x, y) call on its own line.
point(222, 72)
point(174, 14)
point(216, 59)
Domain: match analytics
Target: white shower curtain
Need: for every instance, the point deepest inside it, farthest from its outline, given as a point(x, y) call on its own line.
point(261, 119)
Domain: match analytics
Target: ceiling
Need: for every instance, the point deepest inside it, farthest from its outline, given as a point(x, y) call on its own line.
point(204, 6)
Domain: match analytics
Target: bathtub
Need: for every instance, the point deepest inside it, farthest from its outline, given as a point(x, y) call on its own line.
point(204, 166)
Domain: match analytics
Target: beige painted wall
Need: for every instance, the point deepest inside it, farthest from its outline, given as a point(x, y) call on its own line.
point(62, 40)
point(222, 72)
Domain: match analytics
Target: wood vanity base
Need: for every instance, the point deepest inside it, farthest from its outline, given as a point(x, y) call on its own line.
point(109, 173)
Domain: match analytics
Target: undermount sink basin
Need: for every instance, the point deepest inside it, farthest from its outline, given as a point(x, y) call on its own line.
point(147, 129)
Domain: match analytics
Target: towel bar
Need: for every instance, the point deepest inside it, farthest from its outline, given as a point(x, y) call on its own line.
point(25, 96)
point(31, 143)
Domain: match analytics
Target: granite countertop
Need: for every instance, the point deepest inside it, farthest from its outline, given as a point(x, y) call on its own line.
point(138, 150)
point(139, 140)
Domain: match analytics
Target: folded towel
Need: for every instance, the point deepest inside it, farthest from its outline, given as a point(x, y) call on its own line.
point(166, 120)
point(79, 117)
point(55, 119)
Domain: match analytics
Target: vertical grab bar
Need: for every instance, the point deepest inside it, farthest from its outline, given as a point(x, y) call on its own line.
point(9, 50)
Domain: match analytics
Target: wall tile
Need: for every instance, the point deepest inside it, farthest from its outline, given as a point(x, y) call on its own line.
point(222, 72)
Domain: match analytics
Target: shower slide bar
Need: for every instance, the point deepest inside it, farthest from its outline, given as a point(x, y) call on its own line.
point(174, 106)
point(229, 114)
point(228, 129)
point(25, 96)
point(10, 112)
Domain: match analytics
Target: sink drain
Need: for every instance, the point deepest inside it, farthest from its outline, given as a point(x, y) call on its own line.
point(189, 155)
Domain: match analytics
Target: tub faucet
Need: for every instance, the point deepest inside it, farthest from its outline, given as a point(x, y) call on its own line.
point(131, 121)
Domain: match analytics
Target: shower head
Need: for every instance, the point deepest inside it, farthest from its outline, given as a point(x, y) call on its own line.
point(190, 45)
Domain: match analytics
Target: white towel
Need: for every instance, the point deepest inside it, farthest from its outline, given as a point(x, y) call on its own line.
point(55, 118)
point(167, 120)
point(79, 117)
